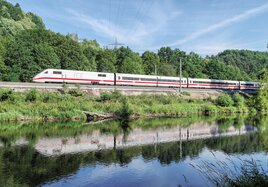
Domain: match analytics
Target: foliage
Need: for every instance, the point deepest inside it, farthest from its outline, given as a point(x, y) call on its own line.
point(31, 95)
point(7, 95)
point(224, 100)
point(106, 96)
point(262, 97)
point(71, 104)
point(248, 174)
point(106, 60)
point(150, 62)
point(124, 112)
point(238, 99)
point(26, 48)
point(41, 49)
point(77, 92)
point(90, 49)
point(13, 19)
point(251, 62)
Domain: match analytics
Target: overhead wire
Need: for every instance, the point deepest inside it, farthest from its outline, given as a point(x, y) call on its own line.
point(140, 18)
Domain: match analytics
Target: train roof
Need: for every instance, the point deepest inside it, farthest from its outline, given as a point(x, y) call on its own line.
point(64, 70)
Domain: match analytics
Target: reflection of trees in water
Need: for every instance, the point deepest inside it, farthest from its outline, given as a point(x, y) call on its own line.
point(29, 167)
point(23, 165)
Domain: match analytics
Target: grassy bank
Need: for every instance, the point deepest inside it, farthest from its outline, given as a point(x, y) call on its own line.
point(71, 105)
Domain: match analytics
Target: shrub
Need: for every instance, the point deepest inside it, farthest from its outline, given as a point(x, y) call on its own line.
point(106, 96)
point(7, 95)
point(75, 92)
point(185, 93)
point(51, 97)
point(238, 100)
point(224, 100)
point(31, 95)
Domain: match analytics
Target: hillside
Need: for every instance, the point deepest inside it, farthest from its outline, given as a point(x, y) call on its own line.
point(13, 19)
point(26, 48)
point(252, 62)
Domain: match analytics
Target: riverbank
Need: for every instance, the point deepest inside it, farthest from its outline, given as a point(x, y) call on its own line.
point(72, 105)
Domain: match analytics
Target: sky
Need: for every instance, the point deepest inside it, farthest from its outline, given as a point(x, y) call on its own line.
point(206, 27)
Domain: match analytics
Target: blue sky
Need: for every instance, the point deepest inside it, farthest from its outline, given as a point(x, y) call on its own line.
point(202, 26)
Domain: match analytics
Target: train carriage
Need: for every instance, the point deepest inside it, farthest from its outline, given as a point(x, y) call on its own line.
point(149, 80)
point(249, 85)
point(211, 83)
point(78, 77)
point(136, 80)
point(164, 81)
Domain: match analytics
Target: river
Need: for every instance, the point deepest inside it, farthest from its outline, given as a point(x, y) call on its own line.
point(154, 152)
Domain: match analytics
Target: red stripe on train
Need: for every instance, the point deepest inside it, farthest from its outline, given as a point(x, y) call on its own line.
point(144, 82)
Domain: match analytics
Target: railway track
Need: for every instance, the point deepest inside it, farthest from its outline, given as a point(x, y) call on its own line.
point(53, 86)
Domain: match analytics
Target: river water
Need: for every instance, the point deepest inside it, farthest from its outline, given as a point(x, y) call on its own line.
point(190, 151)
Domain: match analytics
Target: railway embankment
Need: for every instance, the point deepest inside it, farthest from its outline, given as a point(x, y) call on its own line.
point(97, 90)
point(71, 104)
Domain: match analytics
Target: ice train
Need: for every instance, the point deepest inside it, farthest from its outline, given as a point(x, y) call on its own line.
point(100, 78)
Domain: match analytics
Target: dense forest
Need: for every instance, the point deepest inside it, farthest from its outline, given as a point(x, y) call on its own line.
point(27, 47)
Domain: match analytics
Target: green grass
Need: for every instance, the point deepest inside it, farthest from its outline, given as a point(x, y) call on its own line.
point(70, 105)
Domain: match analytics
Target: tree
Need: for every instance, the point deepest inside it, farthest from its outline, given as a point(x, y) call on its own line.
point(132, 65)
point(13, 19)
point(32, 51)
point(251, 62)
point(106, 60)
point(238, 100)
point(165, 54)
point(121, 54)
point(3, 68)
point(225, 100)
point(262, 97)
point(90, 50)
point(167, 70)
point(150, 62)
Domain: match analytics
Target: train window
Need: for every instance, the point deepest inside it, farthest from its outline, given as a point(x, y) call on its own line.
point(166, 80)
point(57, 72)
point(130, 78)
point(46, 72)
point(118, 78)
point(247, 84)
point(101, 75)
point(148, 79)
point(204, 82)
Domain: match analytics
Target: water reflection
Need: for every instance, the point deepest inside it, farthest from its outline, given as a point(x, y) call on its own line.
point(135, 137)
point(33, 155)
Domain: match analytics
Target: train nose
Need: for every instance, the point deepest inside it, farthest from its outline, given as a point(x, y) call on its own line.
point(35, 78)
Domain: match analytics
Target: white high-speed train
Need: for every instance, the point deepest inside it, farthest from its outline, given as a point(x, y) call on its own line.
point(84, 77)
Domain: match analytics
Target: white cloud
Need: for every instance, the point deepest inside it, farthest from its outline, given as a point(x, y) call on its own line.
point(141, 32)
point(248, 14)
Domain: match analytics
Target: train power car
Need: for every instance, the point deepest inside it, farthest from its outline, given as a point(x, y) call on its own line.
point(70, 76)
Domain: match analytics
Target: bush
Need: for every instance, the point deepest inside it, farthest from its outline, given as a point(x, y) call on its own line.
point(31, 95)
point(238, 100)
point(7, 95)
point(75, 92)
point(224, 100)
point(51, 97)
point(106, 96)
point(185, 93)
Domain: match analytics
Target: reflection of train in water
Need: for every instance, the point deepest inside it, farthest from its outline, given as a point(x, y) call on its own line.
point(97, 141)
point(83, 77)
